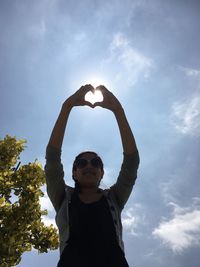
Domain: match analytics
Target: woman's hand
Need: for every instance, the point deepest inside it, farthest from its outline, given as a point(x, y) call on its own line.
point(78, 98)
point(109, 100)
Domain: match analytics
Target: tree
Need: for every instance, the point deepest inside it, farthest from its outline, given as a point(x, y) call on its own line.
point(21, 227)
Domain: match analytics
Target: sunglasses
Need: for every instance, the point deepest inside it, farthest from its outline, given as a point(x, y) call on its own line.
point(82, 163)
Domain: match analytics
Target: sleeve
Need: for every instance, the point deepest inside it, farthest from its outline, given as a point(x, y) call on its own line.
point(54, 176)
point(126, 179)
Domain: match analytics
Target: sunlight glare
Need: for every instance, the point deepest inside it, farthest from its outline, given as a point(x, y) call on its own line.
point(97, 96)
point(94, 97)
point(96, 81)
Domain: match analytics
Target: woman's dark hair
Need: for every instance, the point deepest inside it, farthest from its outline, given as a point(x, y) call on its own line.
point(77, 188)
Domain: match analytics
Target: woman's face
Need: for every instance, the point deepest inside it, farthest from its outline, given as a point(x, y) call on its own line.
point(88, 175)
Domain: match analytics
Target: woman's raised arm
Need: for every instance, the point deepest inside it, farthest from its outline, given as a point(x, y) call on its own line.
point(112, 103)
point(128, 173)
point(77, 99)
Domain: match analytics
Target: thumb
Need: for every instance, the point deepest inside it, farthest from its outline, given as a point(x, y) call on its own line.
point(87, 103)
point(98, 104)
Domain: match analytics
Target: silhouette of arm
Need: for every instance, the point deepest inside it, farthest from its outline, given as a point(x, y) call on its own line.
point(54, 168)
point(128, 174)
point(76, 99)
point(112, 103)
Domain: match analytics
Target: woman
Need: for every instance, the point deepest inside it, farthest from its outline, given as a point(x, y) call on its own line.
point(89, 218)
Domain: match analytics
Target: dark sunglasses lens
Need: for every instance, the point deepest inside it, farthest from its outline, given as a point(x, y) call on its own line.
point(96, 162)
point(81, 163)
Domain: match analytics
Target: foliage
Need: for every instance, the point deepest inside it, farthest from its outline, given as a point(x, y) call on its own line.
point(21, 228)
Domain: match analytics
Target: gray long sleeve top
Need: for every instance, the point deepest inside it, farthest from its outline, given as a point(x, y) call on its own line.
point(60, 193)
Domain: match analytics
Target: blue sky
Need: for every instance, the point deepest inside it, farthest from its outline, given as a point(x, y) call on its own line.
point(147, 54)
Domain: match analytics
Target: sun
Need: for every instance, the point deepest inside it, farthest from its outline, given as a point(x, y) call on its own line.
point(94, 97)
point(96, 81)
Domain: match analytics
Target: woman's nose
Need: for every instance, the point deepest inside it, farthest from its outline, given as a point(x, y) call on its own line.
point(88, 165)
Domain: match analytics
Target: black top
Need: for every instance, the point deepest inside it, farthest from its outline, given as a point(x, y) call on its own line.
point(92, 241)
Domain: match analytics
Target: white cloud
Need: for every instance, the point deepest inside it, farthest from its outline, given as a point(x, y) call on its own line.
point(46, 203)
point(183, 230)
point(191, 72)
point(186, 116)
point(127, 63)
point(48, 221)
point(130, 221)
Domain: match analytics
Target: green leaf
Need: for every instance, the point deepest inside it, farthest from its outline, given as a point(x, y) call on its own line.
point(20, 219)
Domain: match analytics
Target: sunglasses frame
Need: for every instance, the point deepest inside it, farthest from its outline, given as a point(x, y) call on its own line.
point(77, 163)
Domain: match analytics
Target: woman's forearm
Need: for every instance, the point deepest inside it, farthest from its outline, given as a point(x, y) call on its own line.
point(58, 132)
point(127, 137)
point(77, 99)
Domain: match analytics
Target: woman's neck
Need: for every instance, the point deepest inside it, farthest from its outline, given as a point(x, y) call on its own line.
point(89, 191)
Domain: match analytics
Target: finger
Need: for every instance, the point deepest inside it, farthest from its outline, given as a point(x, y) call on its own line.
point(83, 90)
point(105, 92)
point(87, 103)
point(98, 104)
point(88, 87)
point(102, 88)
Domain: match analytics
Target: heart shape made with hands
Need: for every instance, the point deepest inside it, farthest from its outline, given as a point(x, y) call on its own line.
point(94, 97)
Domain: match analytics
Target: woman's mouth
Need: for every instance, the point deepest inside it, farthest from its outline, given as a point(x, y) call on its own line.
point(88, 172)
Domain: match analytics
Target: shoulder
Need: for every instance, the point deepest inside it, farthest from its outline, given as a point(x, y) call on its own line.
point(69, 189)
